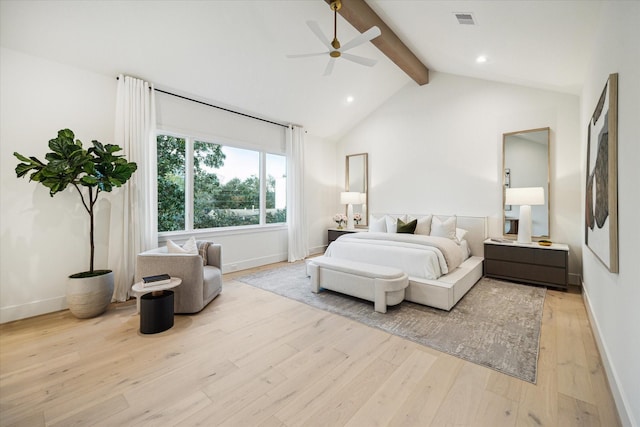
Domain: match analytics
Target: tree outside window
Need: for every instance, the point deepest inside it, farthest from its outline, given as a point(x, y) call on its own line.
point(226, 185)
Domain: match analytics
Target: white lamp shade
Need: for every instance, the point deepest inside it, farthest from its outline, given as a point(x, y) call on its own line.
point(350, 198)
point(524, 196)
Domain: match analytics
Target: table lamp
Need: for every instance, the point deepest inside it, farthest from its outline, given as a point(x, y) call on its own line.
point(350, 198)
point(524, 197)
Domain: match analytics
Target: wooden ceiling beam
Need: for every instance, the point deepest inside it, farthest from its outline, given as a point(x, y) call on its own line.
point(359, 14)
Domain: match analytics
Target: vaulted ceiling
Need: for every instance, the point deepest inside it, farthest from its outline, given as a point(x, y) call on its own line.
point(233, 53)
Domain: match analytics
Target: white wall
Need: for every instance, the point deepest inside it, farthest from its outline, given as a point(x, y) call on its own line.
point(44, 239)
point(612, 299)
point(438, 149)
point(321, 192)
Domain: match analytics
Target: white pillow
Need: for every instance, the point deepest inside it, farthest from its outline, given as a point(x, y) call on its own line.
point(392, 222)
point(446, 228)
point(460, 233)
point(190, 247)
point(424, 224)
point(377, 224)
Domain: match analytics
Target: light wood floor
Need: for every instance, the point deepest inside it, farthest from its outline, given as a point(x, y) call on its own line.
point(252, 358)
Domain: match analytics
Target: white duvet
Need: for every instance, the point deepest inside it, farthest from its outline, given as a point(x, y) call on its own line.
point(420, 256)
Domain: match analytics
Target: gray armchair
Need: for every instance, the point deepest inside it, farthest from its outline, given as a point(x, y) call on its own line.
point(200, 283)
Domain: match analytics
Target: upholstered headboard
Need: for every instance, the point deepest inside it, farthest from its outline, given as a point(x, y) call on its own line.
point(475, 225)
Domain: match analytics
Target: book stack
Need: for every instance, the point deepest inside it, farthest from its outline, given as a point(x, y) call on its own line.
point(158, 279)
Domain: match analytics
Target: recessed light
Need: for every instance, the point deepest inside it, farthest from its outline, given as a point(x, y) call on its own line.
point(349, 99)
point(481, 59)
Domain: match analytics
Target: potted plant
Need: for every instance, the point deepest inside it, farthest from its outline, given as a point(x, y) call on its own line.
point(90, 172)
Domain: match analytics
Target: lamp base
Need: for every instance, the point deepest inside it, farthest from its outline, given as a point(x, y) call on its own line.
point(524, 225)
point(350, 224)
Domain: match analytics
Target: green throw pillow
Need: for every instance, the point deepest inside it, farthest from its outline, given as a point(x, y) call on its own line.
point(406, 227)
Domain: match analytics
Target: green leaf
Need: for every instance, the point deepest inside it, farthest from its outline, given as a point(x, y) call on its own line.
point(112, 148)
point(22, 169)
point(89, 181)
point(66, 133)
point(21, 157)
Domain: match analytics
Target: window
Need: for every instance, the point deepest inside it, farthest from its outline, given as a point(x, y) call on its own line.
point(171, 183)
point(276, 167)
point(205, 185)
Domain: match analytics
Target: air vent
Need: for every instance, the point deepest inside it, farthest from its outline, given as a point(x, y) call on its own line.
point(465, 18)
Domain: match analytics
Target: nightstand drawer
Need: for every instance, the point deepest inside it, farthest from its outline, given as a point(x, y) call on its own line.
point(528, 263)
point(550, 257)
point(334, 234)
point(507, 253)
point(526, 272)
point(526, 255)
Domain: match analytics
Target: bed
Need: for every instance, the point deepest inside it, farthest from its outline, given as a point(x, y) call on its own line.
point(442, 266)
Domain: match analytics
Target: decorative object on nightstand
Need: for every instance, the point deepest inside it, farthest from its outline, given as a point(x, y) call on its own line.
point(540, 265)
point(350, 198)
point(525, 197)
point(357, 218)
point(340, 219)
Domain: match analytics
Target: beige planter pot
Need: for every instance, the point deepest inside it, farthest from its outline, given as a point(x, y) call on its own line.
point(89, 296)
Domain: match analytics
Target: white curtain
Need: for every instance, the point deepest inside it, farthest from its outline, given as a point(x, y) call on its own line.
point(134, 205)
point(296, 219)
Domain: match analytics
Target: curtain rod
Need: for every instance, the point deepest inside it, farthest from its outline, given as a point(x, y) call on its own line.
point(219, 108)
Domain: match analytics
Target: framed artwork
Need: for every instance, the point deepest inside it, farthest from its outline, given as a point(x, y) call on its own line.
point(601, 197)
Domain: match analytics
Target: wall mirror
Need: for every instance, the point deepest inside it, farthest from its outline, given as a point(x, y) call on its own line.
point(357, 180)
point(525, 163)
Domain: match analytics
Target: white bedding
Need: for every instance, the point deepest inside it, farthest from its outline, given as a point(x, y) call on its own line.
point(420, 256)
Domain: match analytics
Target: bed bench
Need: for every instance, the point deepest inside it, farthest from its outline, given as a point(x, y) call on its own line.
point(382, 285)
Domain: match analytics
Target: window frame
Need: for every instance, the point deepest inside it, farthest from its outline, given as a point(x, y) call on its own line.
point(190, 139)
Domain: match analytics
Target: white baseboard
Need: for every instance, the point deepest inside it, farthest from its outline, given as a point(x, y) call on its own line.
point(619, 397)
point(253, 262)
point(31, 309)
point(575, 279)
point(317, 250)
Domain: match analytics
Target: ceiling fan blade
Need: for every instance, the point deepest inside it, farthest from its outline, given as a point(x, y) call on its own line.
point(368, 35)
point(303, 55)
point(359, 59)
point(329, 69)
point(319, 34)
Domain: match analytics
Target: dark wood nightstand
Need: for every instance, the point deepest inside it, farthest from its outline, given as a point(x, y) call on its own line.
point(334, 233)
point(529, 263)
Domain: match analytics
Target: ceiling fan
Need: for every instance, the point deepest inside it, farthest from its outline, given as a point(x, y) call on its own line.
point(335, 49)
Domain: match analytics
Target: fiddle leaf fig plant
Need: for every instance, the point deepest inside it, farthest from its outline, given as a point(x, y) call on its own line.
point(90, 172)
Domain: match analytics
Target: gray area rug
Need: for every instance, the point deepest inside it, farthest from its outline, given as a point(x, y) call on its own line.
point(497, 324)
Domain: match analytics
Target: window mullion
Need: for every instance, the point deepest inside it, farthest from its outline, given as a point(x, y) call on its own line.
point(189, 185)
point(263, 188)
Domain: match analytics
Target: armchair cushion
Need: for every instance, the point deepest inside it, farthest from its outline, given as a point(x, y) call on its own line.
point(190, 247)
point(203, 249)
